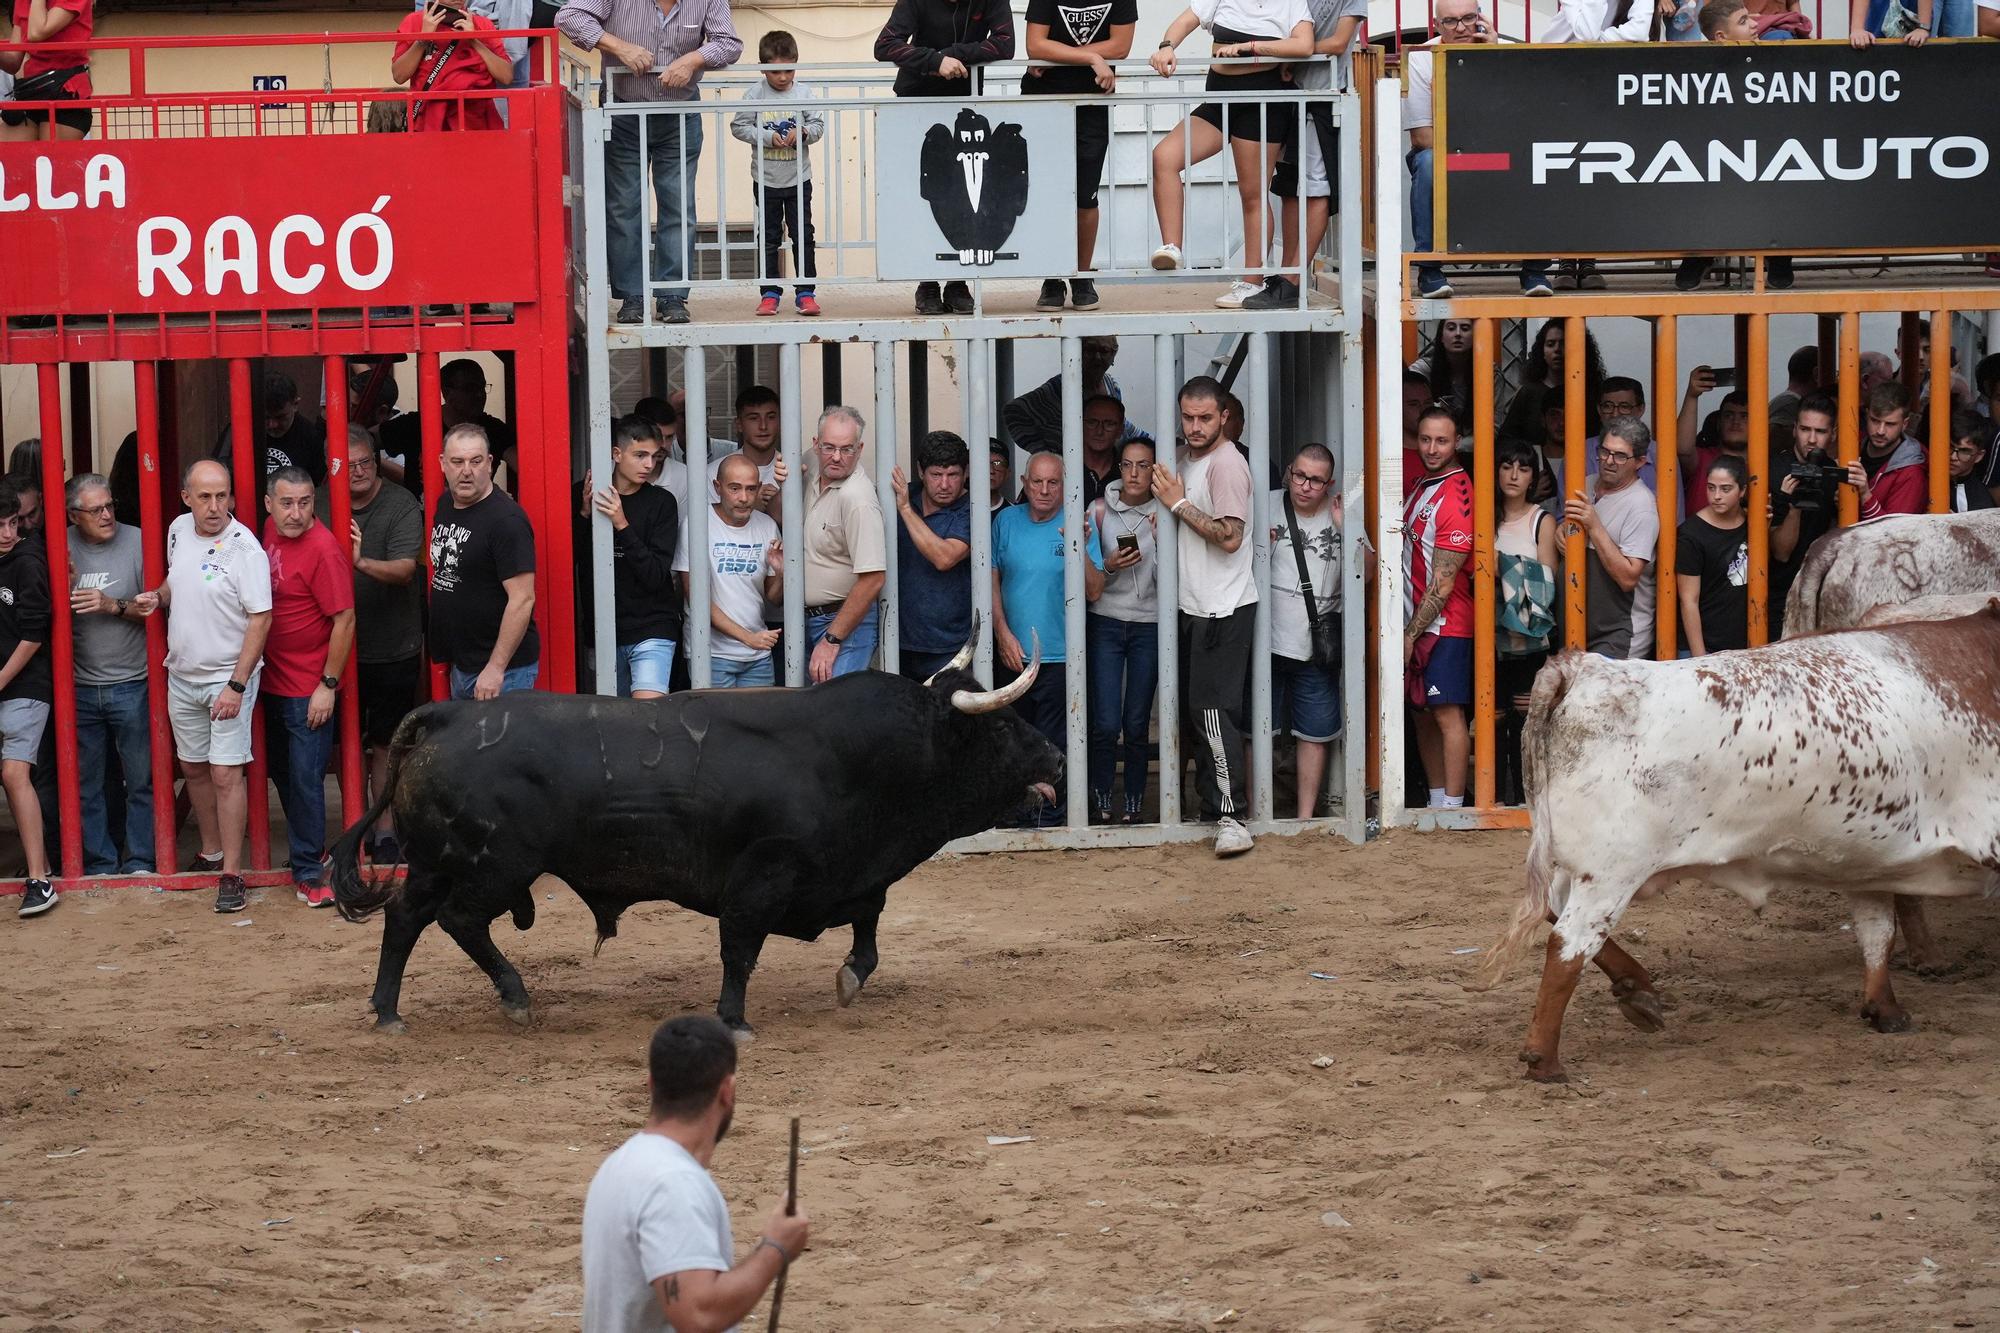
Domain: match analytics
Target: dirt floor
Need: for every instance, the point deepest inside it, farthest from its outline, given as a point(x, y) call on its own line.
point(198, 1129)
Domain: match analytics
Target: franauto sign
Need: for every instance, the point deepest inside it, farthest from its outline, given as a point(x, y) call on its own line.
point(1718, 148)
point(193, 225)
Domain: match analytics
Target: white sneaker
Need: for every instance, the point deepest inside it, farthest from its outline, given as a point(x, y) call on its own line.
point(1239, 292)
point(1167, 257)
point(1231, 838)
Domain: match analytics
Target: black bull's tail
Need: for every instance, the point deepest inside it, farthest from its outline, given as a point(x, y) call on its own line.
point(356, 898)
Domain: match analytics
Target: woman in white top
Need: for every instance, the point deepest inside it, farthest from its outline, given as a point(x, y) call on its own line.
point(1525, 533)
point(1265, 33)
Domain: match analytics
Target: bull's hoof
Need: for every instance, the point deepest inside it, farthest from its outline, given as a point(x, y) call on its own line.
point(743, 1033)
point(391, 1026)
point(846, 985)
point(1887, 1018)
point(1537, 1074)
point(522, 1015)
point(1642, 1010)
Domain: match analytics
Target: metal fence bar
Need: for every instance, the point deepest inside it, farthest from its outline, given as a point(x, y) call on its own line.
point(1076, 550)
point(1345, 423)
point(1388, 446)
point(1167, 570)
point(1484, 523)
point(598, 414)
point(890, 634)
point(68, 860)
point(244, 433)
point(697, 628)
point(1257, 429)
point(982, 513)
point(1758, 386)
point(153, 538)
point(1666, 471)
point(1848, 432)
point(340, 512)
point(1575, 365)
point(792, 507)
point(1940, 413)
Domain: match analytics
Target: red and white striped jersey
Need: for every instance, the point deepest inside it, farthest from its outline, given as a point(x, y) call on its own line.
point(1437, 516)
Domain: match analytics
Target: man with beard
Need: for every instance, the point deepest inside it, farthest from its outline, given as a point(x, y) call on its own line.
point(657, 1248)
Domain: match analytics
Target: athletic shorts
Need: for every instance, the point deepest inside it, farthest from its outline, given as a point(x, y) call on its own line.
point(1441, 673)
point(198, 738)
point(22, 722)
point(1305, 699)
point(76, 118)
point(388, 691)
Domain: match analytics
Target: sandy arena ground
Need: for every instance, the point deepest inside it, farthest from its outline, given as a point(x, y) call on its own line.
point(198, 1130)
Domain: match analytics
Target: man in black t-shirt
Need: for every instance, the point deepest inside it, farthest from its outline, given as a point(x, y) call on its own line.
point(462, 388)
point(289, 439)
point(645, 529)
point(1796, 526)
point(482, 576)
point(1082, 39)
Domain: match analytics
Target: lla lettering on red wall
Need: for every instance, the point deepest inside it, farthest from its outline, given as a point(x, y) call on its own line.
point(1719, 148)
point(314, 222)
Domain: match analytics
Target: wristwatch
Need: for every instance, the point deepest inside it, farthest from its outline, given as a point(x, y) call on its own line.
point(238, 686)
point(331, 682)
point(121, 607)
point(833, 639)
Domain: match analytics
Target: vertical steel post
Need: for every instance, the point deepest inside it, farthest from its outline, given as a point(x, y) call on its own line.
point(1848, 429)
point(889, 636)
point(1076, 550)
point(792, 514)
point(982, 513)
point(1344, 422)
point(1757, 384)
point(61, 647)
point(1575, 363)
point(246, 452)
point(153, 544)
point(1485, 792)
point(598, 415)
point(696, 628)
point(1387, 444)
point(340, 512)
point(1666, 456)
point(1940, 412)
point(1257, 430)
point(1167, 572)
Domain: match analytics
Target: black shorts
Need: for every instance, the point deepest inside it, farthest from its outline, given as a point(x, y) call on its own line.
point(1268, 122)
point(1285, 180)
point(76, 118)
point(388, 692)
point(1093, 145)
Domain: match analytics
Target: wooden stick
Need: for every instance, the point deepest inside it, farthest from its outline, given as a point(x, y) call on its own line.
point(791, 1207)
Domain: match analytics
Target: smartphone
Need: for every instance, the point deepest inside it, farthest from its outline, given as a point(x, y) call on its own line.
point(1725, 377)
point(1127, 542)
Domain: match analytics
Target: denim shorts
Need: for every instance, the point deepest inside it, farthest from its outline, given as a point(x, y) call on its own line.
point(1305, 699)
point(727, 674)
point(22, 722)
point(511, 680)
point(646, 665)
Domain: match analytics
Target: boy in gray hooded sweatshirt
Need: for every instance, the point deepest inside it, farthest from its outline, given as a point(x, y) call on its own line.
point(778, 134)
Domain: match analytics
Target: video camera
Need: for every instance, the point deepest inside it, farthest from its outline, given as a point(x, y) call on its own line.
point(1819, 481)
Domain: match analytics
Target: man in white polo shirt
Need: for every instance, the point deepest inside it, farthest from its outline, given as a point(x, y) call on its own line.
point(218, 602)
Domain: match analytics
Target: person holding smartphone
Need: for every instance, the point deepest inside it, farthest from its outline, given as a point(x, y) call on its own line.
point(1120, 632)
point(1701, 441)
point(440, 52)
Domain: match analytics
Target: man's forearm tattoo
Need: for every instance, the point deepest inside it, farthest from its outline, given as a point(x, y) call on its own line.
point(1215, 531)
point(1442, 577)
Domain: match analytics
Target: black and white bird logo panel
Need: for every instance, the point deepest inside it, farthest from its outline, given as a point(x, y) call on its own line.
point(976, 179)
point(1083, 22)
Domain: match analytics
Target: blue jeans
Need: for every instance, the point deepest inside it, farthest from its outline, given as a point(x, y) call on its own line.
point(724, 674)
point(1422, 178)
point(855, 650)
point(512, 679)
point(673, 149)
point(1124, 668)
point(297, 756)
point(108, 715)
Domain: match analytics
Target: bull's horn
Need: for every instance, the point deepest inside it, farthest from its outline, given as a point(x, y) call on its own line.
point(988, 701)
point(964, 658)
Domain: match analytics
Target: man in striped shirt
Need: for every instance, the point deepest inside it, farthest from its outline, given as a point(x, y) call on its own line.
point(1437, 605)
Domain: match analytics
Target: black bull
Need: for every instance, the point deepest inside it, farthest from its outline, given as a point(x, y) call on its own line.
point(779, 812)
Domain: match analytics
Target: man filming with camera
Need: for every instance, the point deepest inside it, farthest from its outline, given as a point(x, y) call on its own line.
point(1805, 495)
point(440, 51)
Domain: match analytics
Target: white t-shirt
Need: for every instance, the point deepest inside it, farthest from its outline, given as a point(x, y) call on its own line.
point(736, 576)
point(674, 477)
point(1215, 582)
point(1255, 18)
point(1291, 630)
point(214, 585)
point(1419, 68)
point(651, 1210)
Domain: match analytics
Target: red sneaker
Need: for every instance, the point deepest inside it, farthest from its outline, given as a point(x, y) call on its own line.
point(807, 305)
point(768, 306)
point(315, 895)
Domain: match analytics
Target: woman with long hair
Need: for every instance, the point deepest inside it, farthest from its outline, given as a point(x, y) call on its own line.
point(1542, 376)
point(1524, 544)
point(1448, 363)
point(1712, 564)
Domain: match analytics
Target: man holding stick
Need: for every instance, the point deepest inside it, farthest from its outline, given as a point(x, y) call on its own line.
point(656, 1238)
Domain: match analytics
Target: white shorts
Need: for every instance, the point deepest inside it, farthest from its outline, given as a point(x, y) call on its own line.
point(199, 738)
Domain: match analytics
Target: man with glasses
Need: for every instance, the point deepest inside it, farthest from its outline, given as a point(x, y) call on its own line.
point(108, 606)
point(846, 556)
point(1621, 396)
point(463, 391)
point(482, 588)
point(1305, 694)
point(1620, 519)
point(386, 538)
point(1458, 22)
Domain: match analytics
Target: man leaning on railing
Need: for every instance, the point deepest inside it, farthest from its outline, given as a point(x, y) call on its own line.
point(663, 62)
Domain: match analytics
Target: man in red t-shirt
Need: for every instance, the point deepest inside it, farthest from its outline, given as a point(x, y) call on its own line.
point(1437, 606)
point(312, 631)
point(442, 54)
point(47, 21)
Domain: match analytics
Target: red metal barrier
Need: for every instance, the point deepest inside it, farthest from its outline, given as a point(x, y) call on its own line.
point(62, 652)
point(153, 529)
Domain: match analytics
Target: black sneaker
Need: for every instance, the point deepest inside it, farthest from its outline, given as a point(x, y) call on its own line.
point(1053, 295)
point(230, 895)
point(929, 301)
point(37, 898)
point(1278, 294)
point(1083, 293)
point(441, 312)
point(958, 298)
point(1692, 270)
point(207, 865)
point(631, 310)
point(672, 310)
point(1778, 273)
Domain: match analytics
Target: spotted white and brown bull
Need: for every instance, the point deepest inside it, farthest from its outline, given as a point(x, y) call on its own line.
point(1890, 561)
point(1863, 760)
